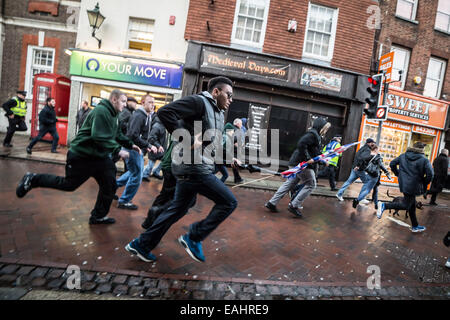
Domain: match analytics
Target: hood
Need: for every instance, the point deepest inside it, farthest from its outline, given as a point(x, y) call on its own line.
point(109, 106)
point(229, 126)
point(319, 123)
point(413, 154)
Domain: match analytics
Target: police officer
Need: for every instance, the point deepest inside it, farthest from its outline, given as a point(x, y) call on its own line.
point(330, 170)
point(16, 110)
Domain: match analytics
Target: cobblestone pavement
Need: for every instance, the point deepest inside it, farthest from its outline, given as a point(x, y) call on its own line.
point(254, 254)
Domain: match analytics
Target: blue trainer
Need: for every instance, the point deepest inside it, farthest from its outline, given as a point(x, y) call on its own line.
point(193, 248)
point(380, 209)
point(418, 229)
point(134, 248)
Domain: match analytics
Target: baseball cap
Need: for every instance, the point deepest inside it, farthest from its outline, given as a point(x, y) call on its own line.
point(370, 140)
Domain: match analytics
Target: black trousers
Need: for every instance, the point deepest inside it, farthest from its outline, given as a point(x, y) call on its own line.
point(78, 171)
point(15, 124)
point(330, 173)
point(409, 203)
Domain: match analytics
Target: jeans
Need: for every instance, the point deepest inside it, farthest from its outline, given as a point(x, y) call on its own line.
point(186, 190)
point(354, 175)
point(409, 203)
point(42, 132)
point(223, 170)
point(133, 177)
point(78, 171)
point(367, 187)
point(148, 170)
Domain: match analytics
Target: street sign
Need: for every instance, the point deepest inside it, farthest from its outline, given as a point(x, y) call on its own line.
point(386, 64)
point(381, 114)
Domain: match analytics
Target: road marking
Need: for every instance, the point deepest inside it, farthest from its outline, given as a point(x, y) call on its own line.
point(400, 222)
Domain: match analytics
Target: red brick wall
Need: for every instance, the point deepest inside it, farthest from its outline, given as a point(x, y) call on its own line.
point(353, 44)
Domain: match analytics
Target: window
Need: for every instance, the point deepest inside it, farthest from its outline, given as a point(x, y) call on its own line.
point(250, 22)
point(443, 16)
point(401, 62)
point(140, 34)
point(39, 60)
point(320, 32)
point(407, 9)
point(435, 78)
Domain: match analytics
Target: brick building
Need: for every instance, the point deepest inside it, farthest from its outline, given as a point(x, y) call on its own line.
point(35, 35)
point(291, 61)
point(418, 32)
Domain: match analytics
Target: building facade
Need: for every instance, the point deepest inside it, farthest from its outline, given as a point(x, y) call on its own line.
point(291, 61)
point(142, 50)
point(34, 37)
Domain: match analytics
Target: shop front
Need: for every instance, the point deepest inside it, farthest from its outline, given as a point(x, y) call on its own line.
point(94, 75)
point(282, 94)
point(411, 118)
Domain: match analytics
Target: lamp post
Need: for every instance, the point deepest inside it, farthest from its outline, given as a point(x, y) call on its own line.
point(95, 20)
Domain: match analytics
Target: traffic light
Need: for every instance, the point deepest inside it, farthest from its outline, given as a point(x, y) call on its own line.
point(374, 90)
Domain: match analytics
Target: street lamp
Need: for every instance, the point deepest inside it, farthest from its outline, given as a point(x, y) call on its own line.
point(95, 20)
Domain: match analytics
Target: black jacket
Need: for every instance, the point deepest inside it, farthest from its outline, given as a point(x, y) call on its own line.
point(11, 103)
point(362, 158)
point(440, 167)
point(81, 116)
point(47, 117)
point(378, 161)
point(308, 145)
point(157, 137)
point(413, 170)
point(139, 128)
point(124, 118)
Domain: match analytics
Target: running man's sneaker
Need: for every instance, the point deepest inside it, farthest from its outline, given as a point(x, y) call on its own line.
point(294, 211)
point(418, 229)
point(380, 209)
point(134, 248)
point(24, 185)
point(104, 220)
point(194, 249)
point(364, 201)
point(339, 197)
point(270, 206)
point(355, 203)
point(128, 206)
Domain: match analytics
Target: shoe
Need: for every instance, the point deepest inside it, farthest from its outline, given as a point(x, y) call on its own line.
point(376, 206)
point(334, 189)
point(28, 150)
point(134, 248)
point(236, 181)
point(24, 185)
point(157, 176)
point(364, 201)
point(380, 209)
point(7, 145)
point(295, 211)
point(128, 205)
point(425, 195)
point(355, 203)
point(447, 264)
point(418, 229)
point(146, 179)
point(339, 197)
point(433, 204)
point(104, 220)
point(270, 206)
point(116, 197)
point(194, 249)
point(54, 151)
point(150, 218)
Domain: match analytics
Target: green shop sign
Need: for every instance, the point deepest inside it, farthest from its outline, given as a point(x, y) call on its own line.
point(101, 66)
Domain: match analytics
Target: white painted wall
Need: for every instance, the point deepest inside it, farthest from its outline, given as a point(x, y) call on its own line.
point(168, 43)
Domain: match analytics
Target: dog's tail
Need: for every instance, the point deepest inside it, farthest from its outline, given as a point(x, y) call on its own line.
point(387, 192)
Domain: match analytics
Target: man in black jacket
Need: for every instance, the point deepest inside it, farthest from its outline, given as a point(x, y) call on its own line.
point(47, 124)
point(308, 147)
point(360, 162)
point(138, 131)
point(125, 115)
point(440, 167)
point(157, 138)
point(414, 173)
point(193, 166)
point(16, 110)
point(82, 113)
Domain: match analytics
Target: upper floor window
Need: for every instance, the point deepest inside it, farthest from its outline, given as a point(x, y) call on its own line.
point(140, 34)
point(407, 9)
point(320, 32)
point(250, 22)
point(443, 16)
point(39, 60)
point(401, 62)
point(435, 78)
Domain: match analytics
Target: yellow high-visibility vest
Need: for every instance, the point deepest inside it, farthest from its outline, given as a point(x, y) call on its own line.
point(20, 109)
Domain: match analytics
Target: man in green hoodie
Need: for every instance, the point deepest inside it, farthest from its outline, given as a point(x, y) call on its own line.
point(91, 154)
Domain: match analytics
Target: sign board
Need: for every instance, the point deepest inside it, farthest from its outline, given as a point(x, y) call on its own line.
point(386, 64)
point(258, 120)
point(321, 79)
point(381, 114)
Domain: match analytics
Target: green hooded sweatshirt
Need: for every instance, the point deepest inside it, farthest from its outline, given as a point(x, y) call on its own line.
point(100, 136)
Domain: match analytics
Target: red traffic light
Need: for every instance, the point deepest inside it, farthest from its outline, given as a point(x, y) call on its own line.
point(373, 81)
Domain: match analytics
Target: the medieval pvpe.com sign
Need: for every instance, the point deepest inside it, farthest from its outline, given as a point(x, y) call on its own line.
point(260, 67)
point(122, 69)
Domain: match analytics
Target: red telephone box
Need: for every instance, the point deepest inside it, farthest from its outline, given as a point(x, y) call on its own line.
point(58, 87)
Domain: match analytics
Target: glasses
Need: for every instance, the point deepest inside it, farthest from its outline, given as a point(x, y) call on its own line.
point(229, 95)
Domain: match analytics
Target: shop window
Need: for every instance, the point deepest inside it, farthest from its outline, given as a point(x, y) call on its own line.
point(443, 16)
point(435, 78)
point(140, 34)
point(320, 32)
point(407, 9)
point(39, 60)
point(250, 22)
point(401, 63)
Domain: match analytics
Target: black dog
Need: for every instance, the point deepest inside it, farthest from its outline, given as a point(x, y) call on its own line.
point(419, 204)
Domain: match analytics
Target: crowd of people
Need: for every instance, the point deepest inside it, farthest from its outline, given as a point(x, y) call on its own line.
point(121, 128)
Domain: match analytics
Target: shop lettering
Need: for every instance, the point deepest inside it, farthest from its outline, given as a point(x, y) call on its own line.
point(142, 71)
point(408, 107)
